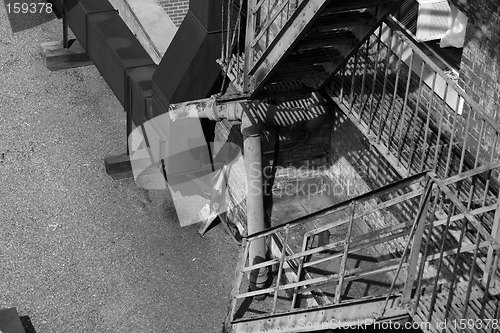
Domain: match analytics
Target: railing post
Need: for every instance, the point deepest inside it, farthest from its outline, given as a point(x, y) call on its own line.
point(495, 232)
point(417, 242)
point(280, 268)
point(338, 289)
point(250, 31)
point(65, 25)
point(242, 258)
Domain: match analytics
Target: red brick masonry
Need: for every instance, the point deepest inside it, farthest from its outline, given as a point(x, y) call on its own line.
point(176, 9)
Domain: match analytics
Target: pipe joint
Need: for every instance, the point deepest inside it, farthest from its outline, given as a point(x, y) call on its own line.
point(252, 130)
point(229, 111)
point(251, 126)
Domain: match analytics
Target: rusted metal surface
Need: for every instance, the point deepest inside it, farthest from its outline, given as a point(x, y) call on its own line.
point(467, 238)
point(261, 68)
point(446, 249)
point(447, 148)
point(259, 113)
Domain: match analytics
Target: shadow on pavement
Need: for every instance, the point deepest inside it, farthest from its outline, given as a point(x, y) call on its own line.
point(27, 324)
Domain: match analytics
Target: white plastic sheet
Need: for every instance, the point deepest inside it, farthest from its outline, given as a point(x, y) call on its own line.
point(455, 35)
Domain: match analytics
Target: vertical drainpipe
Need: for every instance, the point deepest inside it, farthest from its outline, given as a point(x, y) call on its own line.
point(252, 155)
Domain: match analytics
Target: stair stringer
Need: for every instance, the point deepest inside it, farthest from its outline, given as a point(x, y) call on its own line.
point(358, 313)
point(299, 25)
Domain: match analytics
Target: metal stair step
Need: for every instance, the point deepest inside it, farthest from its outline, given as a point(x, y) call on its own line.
point(349, 5)
point(337, 20)
point(312, 56)
point(304, 72)
point(329, 39)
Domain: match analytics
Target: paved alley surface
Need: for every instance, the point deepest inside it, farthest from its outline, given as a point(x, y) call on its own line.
point(80, 252)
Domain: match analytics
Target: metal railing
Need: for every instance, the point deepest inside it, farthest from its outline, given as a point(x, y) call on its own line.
point(423, 246)
point(233, 58)
point(412, 110)
point(433, 248)
point(453, 274)
point(344, 260)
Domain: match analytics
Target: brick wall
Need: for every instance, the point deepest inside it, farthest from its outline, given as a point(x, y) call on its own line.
point(480, 67)
point(176, 9)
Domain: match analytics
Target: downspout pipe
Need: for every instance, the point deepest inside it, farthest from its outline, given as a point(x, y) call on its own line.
point(252, 156)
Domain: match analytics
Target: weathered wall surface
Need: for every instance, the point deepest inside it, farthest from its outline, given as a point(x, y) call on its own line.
point(480, 68)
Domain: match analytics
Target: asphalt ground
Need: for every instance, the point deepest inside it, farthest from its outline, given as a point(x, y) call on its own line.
point(80, 252)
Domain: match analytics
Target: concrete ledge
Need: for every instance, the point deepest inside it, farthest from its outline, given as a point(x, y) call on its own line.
point(150, 24)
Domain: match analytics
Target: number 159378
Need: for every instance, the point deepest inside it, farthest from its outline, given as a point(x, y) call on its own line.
point(28, 8)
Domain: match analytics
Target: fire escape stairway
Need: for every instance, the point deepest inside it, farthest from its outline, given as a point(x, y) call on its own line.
point(295, 45)
point(411, 251)
point(425, 248)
